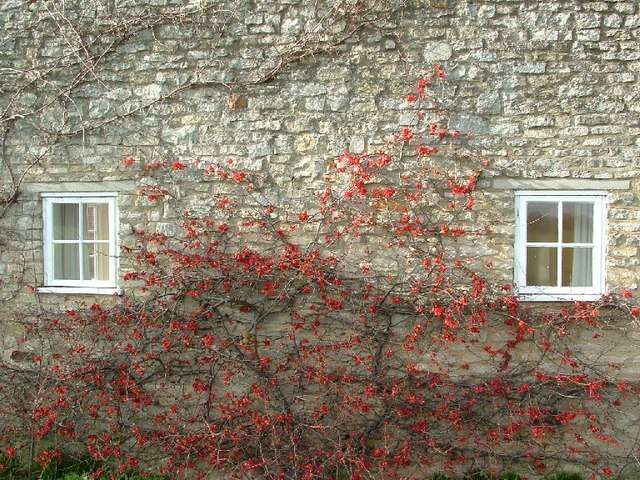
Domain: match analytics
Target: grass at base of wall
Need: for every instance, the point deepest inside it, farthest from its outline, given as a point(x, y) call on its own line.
point(507, 476)
point(67, 469)
point(515, 476)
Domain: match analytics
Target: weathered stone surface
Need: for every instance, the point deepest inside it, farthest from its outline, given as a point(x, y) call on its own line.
point(237, 102)
point(33, 188)
point(545, 89)
point(489, 102)
point(559, 184)
point(437, 51)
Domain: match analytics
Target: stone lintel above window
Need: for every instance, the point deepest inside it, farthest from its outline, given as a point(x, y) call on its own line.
point(511, 183)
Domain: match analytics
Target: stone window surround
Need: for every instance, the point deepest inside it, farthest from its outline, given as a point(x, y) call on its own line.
point(66, 191)
point(577, 184)
point(599, 245)
point(572, 184)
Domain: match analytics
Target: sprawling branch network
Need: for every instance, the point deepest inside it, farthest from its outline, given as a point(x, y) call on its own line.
point(347, 339)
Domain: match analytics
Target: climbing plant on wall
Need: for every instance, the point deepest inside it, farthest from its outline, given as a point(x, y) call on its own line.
point(347, 337)
point(82, 73)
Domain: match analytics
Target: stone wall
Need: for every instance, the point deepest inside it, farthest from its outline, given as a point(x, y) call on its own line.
point(546, 89)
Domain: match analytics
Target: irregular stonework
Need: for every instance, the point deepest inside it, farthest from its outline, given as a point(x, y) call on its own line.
point(547, 90)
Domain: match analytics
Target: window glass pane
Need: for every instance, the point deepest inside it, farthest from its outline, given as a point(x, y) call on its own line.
point(577, 222)
point(542, 266)
point(66, 261)
point(65, 221)
point(96, 221)
point(577, 267)
point(542, 222)
point(95, 258)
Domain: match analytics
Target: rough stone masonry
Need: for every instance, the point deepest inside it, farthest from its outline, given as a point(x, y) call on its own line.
point(548, 90)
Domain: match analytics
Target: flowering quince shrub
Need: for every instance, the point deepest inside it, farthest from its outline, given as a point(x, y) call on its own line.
point(346, 338)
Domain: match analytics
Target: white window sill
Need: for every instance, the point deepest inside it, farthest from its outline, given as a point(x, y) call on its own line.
point(81, 290)
point(561, 297)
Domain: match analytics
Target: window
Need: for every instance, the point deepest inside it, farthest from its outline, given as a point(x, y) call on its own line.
point(80, 243)
point(560, 245)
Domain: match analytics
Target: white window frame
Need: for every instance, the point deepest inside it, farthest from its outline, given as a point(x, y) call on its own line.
point(599, 245)
point(100, 287)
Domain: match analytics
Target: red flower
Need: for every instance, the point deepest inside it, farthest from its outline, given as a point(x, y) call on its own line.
point(407, 134)
point(384, 193)
point(594, 390)
point(264, 362)
point(379, 452)
point(239, 176)
point(333, 303)
point(199, 386)
point(425, 150)
point(45, 457)
point(451, 322)
point(208, 340)
point(178, 166)
point(128, 161)
point(565, 417)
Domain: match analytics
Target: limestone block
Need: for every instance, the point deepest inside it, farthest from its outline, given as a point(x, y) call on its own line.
point(437, 52)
